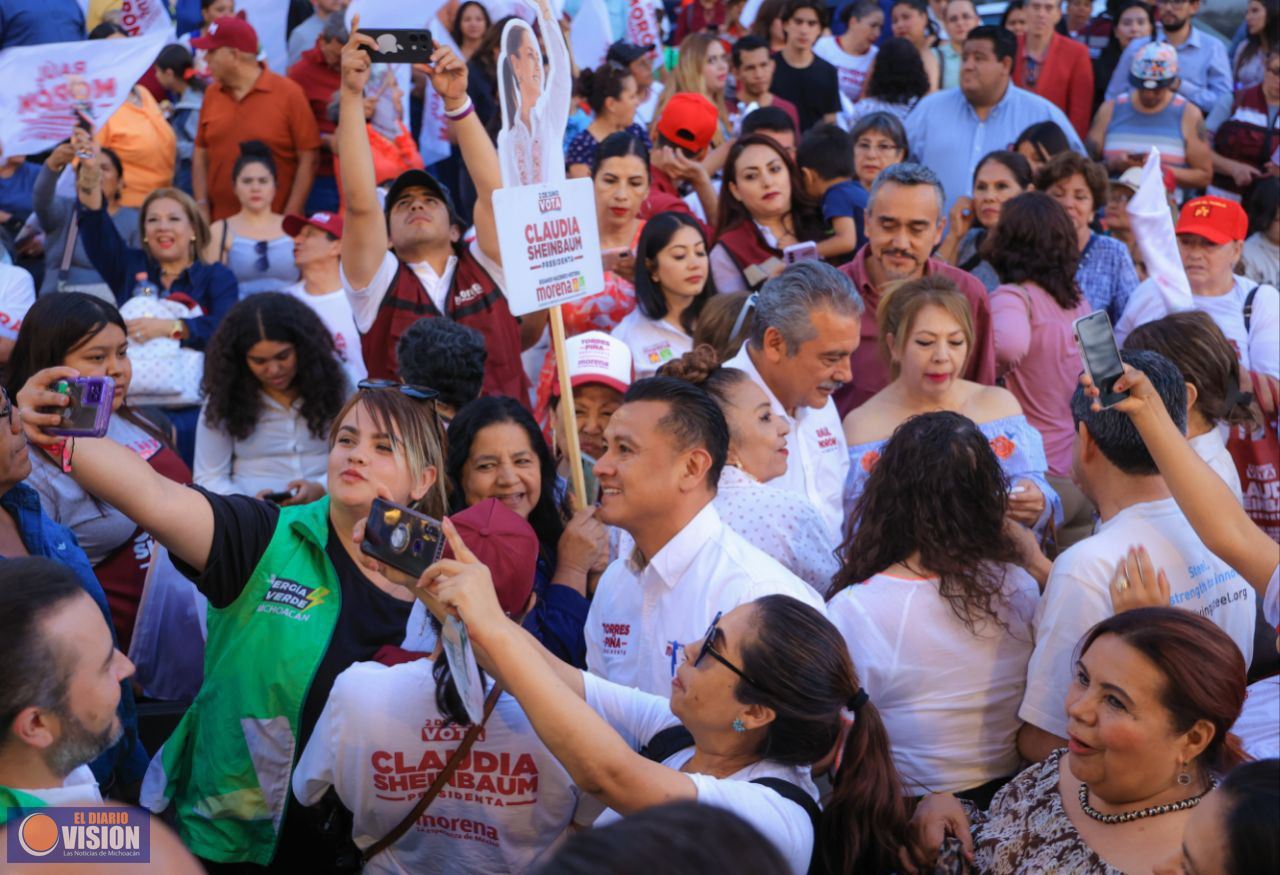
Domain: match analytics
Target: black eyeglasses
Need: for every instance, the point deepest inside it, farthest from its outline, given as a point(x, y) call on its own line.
point(425, 394)
point(708, 649)
point(260, 249)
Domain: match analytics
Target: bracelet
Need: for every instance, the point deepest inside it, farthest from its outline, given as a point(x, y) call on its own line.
point(457, 115)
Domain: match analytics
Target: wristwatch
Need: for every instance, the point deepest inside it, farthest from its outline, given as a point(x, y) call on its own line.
point(178, 329)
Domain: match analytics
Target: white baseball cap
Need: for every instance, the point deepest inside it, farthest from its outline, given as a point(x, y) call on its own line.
point(596, 357)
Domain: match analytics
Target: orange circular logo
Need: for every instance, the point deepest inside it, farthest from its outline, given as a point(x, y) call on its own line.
point(38, 834)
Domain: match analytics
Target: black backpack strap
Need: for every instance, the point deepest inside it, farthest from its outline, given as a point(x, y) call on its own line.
point(669, 741)
point(793, 793)
point(1248, 306)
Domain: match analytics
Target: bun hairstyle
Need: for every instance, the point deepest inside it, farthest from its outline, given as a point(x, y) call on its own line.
point(254, 152)
point(701, 367)
point(604, 82)
point(1195, 343)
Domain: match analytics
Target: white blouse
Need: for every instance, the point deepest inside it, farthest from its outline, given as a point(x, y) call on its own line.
point(280, 449)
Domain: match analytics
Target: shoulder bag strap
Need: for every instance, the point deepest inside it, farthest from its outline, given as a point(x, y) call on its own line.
point(438, 784)
point(1248, 307)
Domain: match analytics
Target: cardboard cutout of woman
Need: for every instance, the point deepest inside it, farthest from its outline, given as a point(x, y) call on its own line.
point(531, 142)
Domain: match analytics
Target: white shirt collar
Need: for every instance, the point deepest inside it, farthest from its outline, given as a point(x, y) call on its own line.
point(671, 562)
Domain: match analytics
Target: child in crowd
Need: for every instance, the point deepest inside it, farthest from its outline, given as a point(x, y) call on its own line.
point(825, 157)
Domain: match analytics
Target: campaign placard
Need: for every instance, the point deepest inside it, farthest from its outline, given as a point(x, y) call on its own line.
point(549, 242)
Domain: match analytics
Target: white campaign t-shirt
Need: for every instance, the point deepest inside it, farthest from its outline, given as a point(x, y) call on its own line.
point(653, 342)
point(1077, 596)
point(380, 742)
point(1258, 348)
point(1258, 726)
point(851, 69)
point(17, 294)
point(949, 698)
point(644, 612)
point(1213, 449)
point(334, 310)
point(638, 717)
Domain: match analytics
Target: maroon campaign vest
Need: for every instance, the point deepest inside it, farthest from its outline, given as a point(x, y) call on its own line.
point(475, 301)
point(1249, 139)
point(750, 253)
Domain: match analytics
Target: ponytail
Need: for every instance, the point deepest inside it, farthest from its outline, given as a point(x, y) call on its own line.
point(865, 821)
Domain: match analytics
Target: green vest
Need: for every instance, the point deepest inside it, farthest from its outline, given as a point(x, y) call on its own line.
point(228, 764)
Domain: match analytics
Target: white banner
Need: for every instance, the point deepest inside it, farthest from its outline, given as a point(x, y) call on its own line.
point(549, 242)
point(591, 34)
point(44, 84)
point(145, 16)
point(270, 18)
point(642, 26)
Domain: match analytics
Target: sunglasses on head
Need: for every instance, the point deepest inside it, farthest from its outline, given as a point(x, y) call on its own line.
point(425, 394)
point(708, 649)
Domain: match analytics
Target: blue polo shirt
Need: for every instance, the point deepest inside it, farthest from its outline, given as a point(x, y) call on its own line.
point(946, 135)
point(35, 22)
point(1203, 67)
point(126, 761)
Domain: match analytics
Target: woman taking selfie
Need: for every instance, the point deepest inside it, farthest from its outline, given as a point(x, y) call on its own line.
point(272, 386)
point(999, 177)
point(1156, 692)
point(673, 284)
point(497, 451)
point(252, 242)
point(936, 614)
point(926, 335)
point(763, 210)
point(753, 706)
point(82, 332)
point(280, 581)
point(782, 524)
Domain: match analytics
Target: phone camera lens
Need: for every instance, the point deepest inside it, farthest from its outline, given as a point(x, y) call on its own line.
point(400, 537)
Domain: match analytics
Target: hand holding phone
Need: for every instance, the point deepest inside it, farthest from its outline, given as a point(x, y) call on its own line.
point(399, 45)
point(402, 538)
point(90, 409)
point(1100, 355)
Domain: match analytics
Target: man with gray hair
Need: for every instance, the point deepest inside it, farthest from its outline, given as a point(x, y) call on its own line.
point(904, 222)
point(803, 334)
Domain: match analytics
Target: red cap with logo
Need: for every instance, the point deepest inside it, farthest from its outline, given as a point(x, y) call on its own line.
point(506, 544)
point(1215, 219)
point(231, 32)
point(689, 120)
point(328, 222)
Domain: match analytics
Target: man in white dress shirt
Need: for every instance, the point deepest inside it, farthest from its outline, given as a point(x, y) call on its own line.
point(664, 451)
point(807, 324)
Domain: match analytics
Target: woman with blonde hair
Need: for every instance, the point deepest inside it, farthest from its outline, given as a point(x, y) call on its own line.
point(703, 69)
point(926, 335)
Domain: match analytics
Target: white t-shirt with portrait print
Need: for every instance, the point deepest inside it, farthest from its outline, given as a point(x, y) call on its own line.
point(1077, 596)
point(638, 716)
point(852, 70)
point(380, 742)
point(17, 294)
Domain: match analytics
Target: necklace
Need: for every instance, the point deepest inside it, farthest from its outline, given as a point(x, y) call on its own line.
point(1152, 811)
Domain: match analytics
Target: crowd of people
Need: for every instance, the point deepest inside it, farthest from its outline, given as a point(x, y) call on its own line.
point(866, 576)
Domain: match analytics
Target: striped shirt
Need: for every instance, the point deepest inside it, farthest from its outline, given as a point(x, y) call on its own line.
point(1132, 130)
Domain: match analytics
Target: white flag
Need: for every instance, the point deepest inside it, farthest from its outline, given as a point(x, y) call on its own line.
point(1152, 225)
point(43, 86)
point(145, 16)
point(590, 35)
point(642, 26)
point(270, 18)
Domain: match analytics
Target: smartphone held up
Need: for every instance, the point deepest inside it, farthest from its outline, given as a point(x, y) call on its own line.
point(90, 409)
point(399, 45)
point(401, 538)
point(1100, 355)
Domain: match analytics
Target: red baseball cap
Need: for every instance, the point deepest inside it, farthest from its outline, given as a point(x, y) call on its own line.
point(329, 222)
point(505, 543)
point(1216, 219)
point(230, 32)
point(689, 120)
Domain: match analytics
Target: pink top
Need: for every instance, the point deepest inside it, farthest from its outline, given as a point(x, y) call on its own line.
point(1041, 375)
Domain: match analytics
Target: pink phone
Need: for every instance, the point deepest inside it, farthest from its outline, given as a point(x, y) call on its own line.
point(802, 251)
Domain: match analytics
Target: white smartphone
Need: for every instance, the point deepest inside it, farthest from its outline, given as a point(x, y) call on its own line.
point(802, 251)
point(1100, 355)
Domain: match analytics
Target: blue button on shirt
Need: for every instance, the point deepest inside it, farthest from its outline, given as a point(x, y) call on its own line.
point(125, 761)
point(946, 135)
point(1203, 67)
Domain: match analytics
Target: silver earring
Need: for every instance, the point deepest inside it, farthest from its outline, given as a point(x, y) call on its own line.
point(738, 725)
point(1184, 778)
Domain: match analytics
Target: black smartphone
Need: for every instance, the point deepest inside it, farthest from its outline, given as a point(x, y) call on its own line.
point(402, 538)
point(1100, 355)
point(400, 45)
point(278, 497)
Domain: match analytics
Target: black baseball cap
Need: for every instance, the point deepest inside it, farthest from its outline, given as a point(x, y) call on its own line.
point(625, 53)
point(420, 179)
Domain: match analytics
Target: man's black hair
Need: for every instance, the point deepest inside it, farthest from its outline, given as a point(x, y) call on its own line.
point(1114, 432)
point(694, 419)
